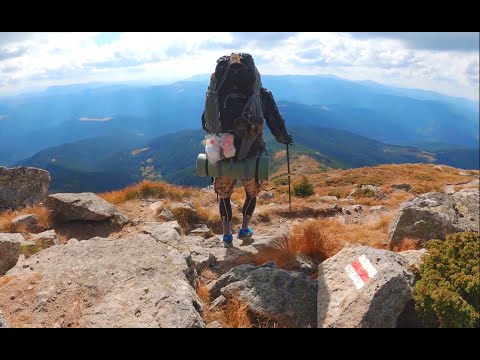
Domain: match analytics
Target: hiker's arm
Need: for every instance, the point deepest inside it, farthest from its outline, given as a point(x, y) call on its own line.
point(203, 122)
point(273, 118)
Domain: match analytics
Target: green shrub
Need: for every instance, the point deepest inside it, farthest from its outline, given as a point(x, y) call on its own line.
point(337, 193)
point(363, 193)
point(447, 293)
point(304, 188)
point(281, 181)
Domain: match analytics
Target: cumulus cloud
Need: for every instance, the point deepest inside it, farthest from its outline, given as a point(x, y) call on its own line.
point(434, 61)
point(441, 41)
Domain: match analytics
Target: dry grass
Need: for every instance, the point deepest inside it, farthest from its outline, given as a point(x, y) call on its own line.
point(43, 215)
point(149, 189)
point(307, 239)
point(236, 312)
point(407, 243)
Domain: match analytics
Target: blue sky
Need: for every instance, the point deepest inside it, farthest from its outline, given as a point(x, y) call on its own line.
point(443, 62)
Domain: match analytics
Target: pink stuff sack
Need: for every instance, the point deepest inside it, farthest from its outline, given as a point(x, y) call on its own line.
point(226, 142)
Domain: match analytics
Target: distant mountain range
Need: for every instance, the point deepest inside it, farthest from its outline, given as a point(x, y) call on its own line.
point(33, 122)
point(86, 134)
point(102, 164)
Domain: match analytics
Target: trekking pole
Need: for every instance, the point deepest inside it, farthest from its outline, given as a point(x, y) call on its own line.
point(289, 192)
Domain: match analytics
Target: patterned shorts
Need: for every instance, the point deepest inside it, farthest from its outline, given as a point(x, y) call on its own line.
point(224, 187)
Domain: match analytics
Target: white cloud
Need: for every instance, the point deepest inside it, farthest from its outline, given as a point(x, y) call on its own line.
point(33, 60)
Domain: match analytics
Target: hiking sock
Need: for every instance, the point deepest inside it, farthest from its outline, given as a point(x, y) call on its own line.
point(247, 211)
point(227, 227)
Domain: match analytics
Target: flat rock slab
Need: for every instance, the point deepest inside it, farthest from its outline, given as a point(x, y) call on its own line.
point(136, 282)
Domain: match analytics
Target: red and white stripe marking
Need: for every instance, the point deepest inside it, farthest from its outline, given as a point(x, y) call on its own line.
point(360, 271)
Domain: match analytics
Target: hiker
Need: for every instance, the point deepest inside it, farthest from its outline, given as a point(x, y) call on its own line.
point(237, 104)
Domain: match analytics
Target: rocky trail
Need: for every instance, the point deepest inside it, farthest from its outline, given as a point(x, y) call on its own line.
point(145, 262)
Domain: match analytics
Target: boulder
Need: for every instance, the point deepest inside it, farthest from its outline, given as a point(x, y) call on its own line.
point(168, 232)
point(462, 173)
point(363, 287)
point(167, 215)
point(3, 321)
point(413, 257)
point(466, 204)
point(434, 215)
point(201, 230)
point(9, 250)
point(156, 207)
point(26, 222)
point(103, 283)
point(83, 206)
point(46, 239)
point(22, 186)
point(285, 297)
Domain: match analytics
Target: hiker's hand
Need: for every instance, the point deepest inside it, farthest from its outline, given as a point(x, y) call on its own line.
point(289, 140)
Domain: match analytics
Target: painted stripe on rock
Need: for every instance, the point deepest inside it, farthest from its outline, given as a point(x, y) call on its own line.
point(367, 265)
point(357, 280)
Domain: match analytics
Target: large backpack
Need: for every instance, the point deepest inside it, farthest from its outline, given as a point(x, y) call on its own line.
point(234, 92)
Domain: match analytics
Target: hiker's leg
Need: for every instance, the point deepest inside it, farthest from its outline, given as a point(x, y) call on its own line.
point(224, 188)
point(251, 191)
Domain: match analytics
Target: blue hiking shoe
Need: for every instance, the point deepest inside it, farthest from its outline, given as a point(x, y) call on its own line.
point(227, 241)
point(245, 233)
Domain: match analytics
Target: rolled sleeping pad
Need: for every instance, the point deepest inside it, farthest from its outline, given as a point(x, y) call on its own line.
point(236, 169)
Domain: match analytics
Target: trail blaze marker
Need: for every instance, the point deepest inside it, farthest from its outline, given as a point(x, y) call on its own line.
point(360, 271)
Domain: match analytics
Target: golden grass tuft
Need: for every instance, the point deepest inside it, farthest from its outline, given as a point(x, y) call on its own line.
point(44, 218)
point(407, 243)
point(149, 189)
point(236, 313)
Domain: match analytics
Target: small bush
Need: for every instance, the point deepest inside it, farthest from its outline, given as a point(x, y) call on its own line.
point(363, 193)
point(304, 188)
point(447, 294)
point(337, 193)
point(281, 181)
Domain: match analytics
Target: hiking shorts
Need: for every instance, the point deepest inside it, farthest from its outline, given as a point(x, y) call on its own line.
point(224, 187)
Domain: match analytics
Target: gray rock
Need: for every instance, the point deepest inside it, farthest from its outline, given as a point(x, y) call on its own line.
point(404, 187)
point(156, 207)
point(26, 222)
point(438, 168)
point(136, 282)
point(434, 215)
point(210, 252)
point(337, 208)
point(358, 208)
point(201, 230)
point(218, 303)
point(304, 264)
point(166, 232)
point(22, 186)
point(282, 296)
point(462, 173)
point(376, 302)
point(9, 250)
point(46, 238)
point(83, 206)
point(3, 321)
point(167, 215)
point(413, 257)
point(266, 195)
point(378, 209)
point(466, 204)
